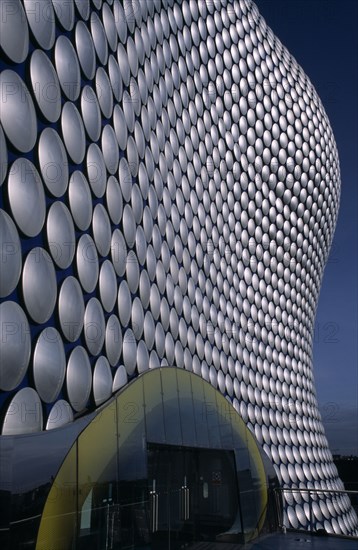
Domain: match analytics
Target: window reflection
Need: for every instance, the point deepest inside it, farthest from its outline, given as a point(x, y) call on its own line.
point(172, 419)
point(153, 403)
point(186, 410)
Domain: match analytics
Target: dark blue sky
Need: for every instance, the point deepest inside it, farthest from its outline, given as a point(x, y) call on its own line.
point(322, 36)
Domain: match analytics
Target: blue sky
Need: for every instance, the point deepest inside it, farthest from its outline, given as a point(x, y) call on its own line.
point(322, 35)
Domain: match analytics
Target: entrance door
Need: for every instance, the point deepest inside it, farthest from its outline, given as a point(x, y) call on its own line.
point(193, 494)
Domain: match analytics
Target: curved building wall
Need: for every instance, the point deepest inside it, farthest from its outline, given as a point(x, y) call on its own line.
point(170, 187)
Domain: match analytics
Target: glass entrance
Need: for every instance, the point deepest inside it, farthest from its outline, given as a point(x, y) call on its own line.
point(193, 494)
point(151, 470)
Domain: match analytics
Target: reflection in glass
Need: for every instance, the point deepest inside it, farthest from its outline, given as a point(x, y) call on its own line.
point(200, 416)
point(186, 409)
point(98, 481)
point(62, 503)
point(132, 466)
point(213, 417)
point(173, 433)
point(154, 417)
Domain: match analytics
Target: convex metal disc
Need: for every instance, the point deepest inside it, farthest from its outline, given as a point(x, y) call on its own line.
point(10, 260)
point(14, 32)
point(17, 112)
point(39, 285)
point(49, 364)
point(71, 308)
point(45, 86)
point(78, 378)
point(26, 197)
point(15, 421)
point(53, 162)
point(15, 345)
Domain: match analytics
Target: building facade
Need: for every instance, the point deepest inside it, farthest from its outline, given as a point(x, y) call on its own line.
point(170, 186)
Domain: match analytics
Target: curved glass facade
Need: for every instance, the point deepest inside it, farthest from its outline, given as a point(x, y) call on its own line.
point(169, 457)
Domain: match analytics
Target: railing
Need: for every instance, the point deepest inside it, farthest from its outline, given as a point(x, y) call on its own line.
point(284, 496)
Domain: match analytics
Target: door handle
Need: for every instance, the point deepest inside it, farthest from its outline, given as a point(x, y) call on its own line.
point(185, 503)
point(153, 496)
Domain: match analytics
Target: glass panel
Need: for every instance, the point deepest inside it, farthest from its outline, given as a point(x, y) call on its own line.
point(239, 433)
point(217, 496)
point(131, 433)
point(132, 467)
point(6, 483)
point(212, 416)
point(253, 489)
point(35, 462)
point(225, 413)
point(244, 475)
point(153, 403)
point(172, 423)
point(201, 423)
point(165, 477)
point(197, 495)
point(186, 408)
point(59, 519)
point(97, 481)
